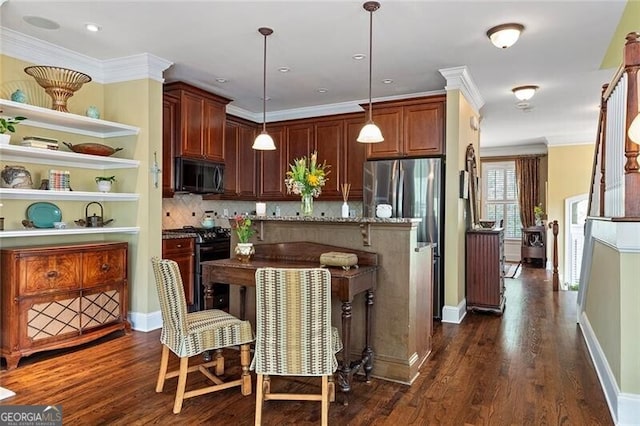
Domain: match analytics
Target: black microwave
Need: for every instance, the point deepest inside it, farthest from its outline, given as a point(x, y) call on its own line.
point(199, 177)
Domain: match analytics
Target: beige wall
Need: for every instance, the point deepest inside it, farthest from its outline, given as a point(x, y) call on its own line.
point(138, 103)
point(458, 135)
point(569, 174)
point(603, 303)
point(612, 310)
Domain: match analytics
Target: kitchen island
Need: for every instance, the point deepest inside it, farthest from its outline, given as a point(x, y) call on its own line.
point(402, 314)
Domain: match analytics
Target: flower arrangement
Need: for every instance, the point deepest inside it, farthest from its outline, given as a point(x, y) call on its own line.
point(538, 211)
point(242, 226)
point(306, 176)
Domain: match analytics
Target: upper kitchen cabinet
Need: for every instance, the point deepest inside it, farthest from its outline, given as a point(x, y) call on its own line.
point(329, 141)
point(201, 122)
point(170, 126)
point(240, 159)
point(273, 166)
point(411, 128)
point(354, 154)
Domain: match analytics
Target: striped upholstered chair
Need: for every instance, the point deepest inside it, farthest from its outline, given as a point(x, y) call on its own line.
point(189, 334)
point(294, 336)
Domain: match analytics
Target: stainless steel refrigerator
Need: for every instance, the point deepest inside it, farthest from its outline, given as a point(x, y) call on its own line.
point(414, 188)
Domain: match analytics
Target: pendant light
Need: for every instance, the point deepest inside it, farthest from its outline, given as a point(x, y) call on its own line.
point(264, 142)
point(370, 133)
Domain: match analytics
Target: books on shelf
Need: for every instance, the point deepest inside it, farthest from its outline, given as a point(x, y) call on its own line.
point(39, 142)
point(59, 180)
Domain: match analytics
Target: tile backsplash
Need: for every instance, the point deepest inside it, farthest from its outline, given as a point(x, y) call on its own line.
point(188, 209)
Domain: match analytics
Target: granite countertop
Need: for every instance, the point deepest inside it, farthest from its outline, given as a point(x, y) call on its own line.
point(174, 235)
point(333, 219)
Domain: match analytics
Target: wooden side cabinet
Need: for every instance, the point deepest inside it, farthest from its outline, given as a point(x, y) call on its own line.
point(534, 245)
point(182, 251)
point(58, 296)
point(485, 270)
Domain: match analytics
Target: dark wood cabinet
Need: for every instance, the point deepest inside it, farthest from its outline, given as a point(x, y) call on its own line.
point(200, 131)
point(57, 296)
point(389, 120)
point(411, 128)
point(330, 144)
point(355, 154)
point(272, 167)
point(485, 270)
point(182, 251)
point(170, 126)
point(423, 127)
point(534, 245)
point(241, 161)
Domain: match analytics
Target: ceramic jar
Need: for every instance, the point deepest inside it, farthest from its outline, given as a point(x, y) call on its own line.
point(93, 112)
point(16, 177)
point(383, 210)
point(19, 96)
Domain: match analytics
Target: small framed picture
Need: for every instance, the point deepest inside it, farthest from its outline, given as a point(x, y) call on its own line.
point(464, 184)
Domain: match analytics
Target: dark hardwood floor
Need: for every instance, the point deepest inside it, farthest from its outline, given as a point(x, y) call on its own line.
point(528, 367)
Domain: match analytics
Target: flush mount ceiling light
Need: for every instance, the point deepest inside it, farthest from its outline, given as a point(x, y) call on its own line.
point(264, 142)
point(370, 133)
point(524, 93)
point(505, 35)
point(634, 130)
point(94, 28)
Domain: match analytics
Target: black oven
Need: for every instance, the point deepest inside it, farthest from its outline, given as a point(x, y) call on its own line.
point(211, 244)
point(212, 250)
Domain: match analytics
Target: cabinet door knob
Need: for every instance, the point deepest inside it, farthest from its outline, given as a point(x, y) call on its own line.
point(52, 274)
point(179, 245)
point(105, 267)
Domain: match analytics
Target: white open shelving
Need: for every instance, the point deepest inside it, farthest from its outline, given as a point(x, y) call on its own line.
point(37, 194)
point(44, 232)
point(64, 158)
point(65, 122)
point(68, 123)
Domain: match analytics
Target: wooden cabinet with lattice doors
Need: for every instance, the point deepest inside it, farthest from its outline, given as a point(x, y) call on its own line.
point(58, 296)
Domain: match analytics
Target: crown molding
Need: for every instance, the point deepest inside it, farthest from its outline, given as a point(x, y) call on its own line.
point(135, 67)
point(36, 51)
point(320, 110)
point(514, 150)
point(459, 78)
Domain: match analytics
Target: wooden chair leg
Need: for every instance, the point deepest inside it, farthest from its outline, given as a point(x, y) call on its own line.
point(325, 401)
point(245, 360)
point(259, 400)
point(164, 362)
point(182, 383)
point(332, 389)
point(219, 363)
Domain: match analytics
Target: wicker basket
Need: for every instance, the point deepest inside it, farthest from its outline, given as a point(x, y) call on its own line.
point(59, 83)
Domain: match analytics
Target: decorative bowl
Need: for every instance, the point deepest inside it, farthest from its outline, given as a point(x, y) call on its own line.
point(487, 224)
point(92, 149)
point(59, 83)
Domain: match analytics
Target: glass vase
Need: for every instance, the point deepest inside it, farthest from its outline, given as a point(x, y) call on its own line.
point(307, 205)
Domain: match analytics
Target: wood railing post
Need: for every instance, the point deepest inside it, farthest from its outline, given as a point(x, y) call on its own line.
point(554, 226)
point(631, 150)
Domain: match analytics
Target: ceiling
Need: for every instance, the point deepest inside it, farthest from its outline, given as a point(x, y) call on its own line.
point(560, 50)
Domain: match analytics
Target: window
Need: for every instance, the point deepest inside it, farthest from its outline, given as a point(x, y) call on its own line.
point(500, 195)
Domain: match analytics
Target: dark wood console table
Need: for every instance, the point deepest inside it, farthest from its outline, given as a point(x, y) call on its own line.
point(345, 284)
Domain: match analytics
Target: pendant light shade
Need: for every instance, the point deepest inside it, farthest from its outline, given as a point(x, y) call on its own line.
point(264, 142)
point(370, 133)
point(634, 130)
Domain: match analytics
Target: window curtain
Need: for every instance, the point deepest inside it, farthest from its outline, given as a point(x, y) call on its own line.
point(527, 176)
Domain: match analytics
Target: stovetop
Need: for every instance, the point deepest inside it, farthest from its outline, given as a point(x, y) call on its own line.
point(216, 233)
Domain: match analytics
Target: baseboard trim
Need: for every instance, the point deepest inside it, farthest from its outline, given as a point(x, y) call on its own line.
point(454, 314)
point(145, 322)
point(624, 407)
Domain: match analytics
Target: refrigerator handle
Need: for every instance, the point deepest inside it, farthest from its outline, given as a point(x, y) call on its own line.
point(399, 190)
